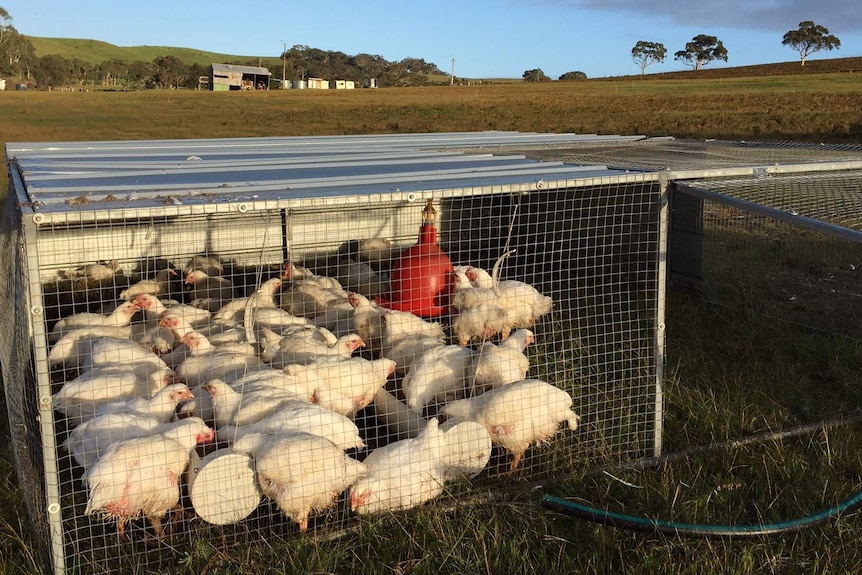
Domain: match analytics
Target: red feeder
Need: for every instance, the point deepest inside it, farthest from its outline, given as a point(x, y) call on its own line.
point(421, 279)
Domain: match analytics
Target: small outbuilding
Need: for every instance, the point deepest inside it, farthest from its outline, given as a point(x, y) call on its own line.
point(225, 77)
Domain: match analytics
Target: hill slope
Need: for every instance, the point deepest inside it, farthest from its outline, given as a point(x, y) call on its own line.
point(96, 52)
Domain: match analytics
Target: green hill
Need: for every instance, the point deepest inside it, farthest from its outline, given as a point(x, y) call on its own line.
point(96, 52)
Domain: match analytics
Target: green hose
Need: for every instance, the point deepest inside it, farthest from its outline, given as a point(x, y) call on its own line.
point(611, 518)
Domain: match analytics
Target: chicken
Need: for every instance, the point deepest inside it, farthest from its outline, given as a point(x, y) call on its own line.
point(273, 379)
point(106, 351)
point(407, 351)
point(210, 264)
point(156, 286)
point(96, 272)
point(232, 407)
point(141, 476)
point(479, 322)
point(344, 385)
point(205, 362)
point(90, 439)
point(497, 365)
point(299, 274)
point(362, 278)
point(313, 296)
point(153, 306)
point(301, 416)
point(372, 250)
point(120, 317)
point(518, 415)
point(367, 320)
point(263, 297)
point(162, 404)
point(208, 292)
point(523, 303)
point(303, 473)
point(439, 375)
point(71, 349)
point(303, 350)
point(402, 474)
point(79, 398)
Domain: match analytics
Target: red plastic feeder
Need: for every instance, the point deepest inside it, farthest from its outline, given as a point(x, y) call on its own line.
point(421, 279)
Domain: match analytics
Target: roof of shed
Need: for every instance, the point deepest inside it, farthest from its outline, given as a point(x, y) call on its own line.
point(255, 70)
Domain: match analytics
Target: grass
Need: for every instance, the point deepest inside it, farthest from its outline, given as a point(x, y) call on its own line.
point(733, 369)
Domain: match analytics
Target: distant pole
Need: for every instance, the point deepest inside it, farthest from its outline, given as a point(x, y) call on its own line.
point(283, 63)
point(452, 77)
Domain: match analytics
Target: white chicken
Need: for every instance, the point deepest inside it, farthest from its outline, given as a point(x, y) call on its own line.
point(206, 362)
point(263, 297)
point(141, 476)
point(497, 365)
point(523, 303)
point(402, 474)
point(210, 264)
point(302, 472)
point(480, 322)
point(518, 415)
point(360, 277)
point(70, 350)
point(162, 404)
point(406, 351)
point(274, 379)
point(439, 375)
point(372, 250)
point(305, 350)
point(313, 296)
point(121, 317)
point(106, 351)
point(90, 439)
point(344, 385)
point(208, 292)
point(157, 286)
point(231, 407)
point(153, 306)
point(96, 272)
point(295, 274)
point(79, 398)
point(301, 416)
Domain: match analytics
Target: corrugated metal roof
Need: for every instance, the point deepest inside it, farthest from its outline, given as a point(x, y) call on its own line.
point(256, 70)
point(93, 176)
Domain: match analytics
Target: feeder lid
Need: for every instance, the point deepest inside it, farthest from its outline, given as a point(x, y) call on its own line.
point(224, 489)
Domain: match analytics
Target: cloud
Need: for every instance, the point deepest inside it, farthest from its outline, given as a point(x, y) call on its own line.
point(770, 15)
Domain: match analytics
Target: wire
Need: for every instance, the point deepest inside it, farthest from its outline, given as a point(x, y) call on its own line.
point(632, 522)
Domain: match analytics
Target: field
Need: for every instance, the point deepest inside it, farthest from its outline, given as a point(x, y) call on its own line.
point(732, 372)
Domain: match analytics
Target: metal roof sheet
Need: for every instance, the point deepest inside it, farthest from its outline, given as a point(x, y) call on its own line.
point(257, 70)
point(93, 176)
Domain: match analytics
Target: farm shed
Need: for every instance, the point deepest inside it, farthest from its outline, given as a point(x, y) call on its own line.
point(225, 77)
point(317, 84)
point(583, 219)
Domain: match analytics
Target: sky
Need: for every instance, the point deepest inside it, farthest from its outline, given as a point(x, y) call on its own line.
point(485, 38)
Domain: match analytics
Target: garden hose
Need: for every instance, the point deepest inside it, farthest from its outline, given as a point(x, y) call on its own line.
point(610, 518)
point(632, 522)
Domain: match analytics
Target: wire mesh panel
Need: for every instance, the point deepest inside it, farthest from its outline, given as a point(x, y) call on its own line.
point(788, 245)
point(274, 364)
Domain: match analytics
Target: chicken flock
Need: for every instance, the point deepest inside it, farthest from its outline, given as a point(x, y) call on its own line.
point(281, 376)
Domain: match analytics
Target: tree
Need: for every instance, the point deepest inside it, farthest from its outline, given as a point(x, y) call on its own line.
point(17, 54)
point(702, 49)
point(810, 38)
point(535, 75)
point(170, 71)
point(574, 76)
point(52, 70)
point(646, 53)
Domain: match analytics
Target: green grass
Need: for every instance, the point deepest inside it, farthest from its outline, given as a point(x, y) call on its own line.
point(733, 369)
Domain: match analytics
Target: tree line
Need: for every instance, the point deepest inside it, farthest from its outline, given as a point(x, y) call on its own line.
point(18, 60)
point(703, 49)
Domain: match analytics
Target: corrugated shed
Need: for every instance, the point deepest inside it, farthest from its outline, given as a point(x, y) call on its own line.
point(236, 69)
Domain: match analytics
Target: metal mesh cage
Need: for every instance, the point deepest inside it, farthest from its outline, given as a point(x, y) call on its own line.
point(311, 426)
point(793, 239)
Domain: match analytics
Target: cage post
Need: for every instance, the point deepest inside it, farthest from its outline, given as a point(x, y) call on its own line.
point(661, 278)
point(38, 333)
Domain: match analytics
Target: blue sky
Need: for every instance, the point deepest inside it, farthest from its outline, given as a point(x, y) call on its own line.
point(487, 38)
